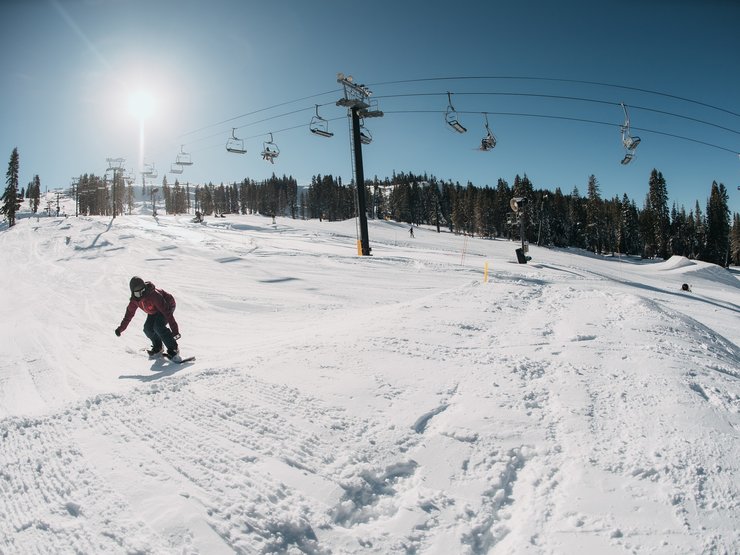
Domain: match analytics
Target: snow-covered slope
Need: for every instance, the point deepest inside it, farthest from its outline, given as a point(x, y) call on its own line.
point(340, 404)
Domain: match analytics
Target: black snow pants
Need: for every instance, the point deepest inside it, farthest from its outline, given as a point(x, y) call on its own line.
point(157, 331)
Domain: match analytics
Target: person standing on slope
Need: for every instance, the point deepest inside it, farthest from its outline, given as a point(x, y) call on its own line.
point(159, 306)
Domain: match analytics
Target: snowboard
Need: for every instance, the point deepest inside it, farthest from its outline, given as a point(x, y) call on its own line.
point(179, 360)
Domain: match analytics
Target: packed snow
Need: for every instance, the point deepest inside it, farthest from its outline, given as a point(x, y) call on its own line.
point(397, 403)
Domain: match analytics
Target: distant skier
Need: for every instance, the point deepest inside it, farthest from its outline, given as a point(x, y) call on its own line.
point(411, 232)
point(159, 306)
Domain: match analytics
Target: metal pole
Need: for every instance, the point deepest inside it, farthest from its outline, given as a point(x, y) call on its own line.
point(360, 176)
point(521, 227)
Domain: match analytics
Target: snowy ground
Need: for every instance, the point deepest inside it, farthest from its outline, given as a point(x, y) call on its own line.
point(340, 404)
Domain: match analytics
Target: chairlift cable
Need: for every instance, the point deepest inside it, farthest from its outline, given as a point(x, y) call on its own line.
point(258, 111)
point(516, 114)
point(563, 97)
point(579, 81)
point(220, 134)
point(257, 136)
point(580, 120)
point(498, 77)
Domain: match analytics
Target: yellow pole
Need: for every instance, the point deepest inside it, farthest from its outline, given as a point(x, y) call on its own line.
point(359, 247)
point(485, 272)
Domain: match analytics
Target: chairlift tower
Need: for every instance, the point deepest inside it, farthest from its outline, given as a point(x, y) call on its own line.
point(357, 100)
point(116, 166)
point(76, 192)
point(153, 192)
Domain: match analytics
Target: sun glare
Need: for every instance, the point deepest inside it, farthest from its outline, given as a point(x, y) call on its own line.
point(141, 104)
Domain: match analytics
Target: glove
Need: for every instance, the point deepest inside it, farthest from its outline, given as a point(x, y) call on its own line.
point(118, 332)
point(176, 336)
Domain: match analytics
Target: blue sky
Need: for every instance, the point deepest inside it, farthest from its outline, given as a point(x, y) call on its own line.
point(70, 68)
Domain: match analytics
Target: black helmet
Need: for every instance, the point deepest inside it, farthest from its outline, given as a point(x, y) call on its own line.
point(137, 286)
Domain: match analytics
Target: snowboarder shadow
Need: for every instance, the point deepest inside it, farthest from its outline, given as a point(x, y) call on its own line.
point(161, 368)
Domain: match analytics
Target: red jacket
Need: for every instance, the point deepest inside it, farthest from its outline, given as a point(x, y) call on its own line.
point(152, 301)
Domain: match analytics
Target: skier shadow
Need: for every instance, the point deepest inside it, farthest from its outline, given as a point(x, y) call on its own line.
point(160, 368)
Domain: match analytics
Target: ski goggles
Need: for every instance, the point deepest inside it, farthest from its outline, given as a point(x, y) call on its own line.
point(139, 292)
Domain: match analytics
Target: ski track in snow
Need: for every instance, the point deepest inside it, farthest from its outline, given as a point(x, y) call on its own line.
point(470, 418)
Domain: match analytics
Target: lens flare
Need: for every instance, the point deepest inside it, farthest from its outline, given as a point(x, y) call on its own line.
point(141, 104)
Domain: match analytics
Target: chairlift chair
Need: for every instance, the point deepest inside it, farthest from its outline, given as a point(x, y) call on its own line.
point(270, 151)
point(489, 141)
point(319, 126)
point(150, 171)
point(628, 141)
point(451, 117)
point(365, 136)
point(183, 158)
point(234, 144)
point(176, 168)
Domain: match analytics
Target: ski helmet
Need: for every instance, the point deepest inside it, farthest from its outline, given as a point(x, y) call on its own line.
point(136, 285)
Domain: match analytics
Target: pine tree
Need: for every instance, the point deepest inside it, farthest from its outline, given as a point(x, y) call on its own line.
point(718, 226)
point(459, 219)
point(624, 228)
point(679, 239)
point(700, 232)
point(577, 216)
point(735, 240)
point(612, 222)
point(502, 208)
point(658, 195)
point(560, 224)
point(595, 226)
point(34, 194)
point(10, 196)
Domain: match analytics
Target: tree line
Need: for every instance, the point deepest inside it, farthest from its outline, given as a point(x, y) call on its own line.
point(601, 225)
point(551, 218)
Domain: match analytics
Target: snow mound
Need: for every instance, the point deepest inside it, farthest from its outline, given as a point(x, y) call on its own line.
point(697, 270)
point(675, 262)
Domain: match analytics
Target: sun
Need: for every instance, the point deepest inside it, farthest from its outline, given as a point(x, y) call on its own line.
point(141, 104)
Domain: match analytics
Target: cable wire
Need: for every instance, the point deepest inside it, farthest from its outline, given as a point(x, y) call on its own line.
point(258, 111)
point(567, 118)
point(582, 82)
point(563, 97)
point(491, 93)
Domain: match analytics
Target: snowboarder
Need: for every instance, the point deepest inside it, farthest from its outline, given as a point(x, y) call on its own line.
point(159, 306)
